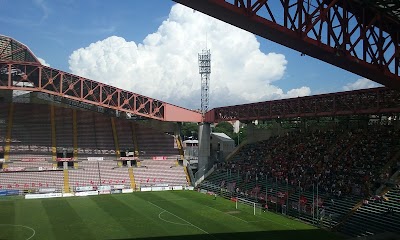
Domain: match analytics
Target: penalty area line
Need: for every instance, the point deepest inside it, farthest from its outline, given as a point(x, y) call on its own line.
point(191, 224)
point(228, 214)
point(159, 216)
point(278, 223)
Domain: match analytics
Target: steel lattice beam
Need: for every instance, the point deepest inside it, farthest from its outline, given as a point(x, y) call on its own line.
point(38, 78)
point(11, 49)
point(366, 101)
point(345, 33)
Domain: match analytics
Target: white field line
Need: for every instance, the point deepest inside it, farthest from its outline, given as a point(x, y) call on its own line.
point(259, 216)
point(15, 225)
point(269, 220)
point(228, 214)
point(191, 224)
point(159, 216)
point(177, 199)
point(263, 218)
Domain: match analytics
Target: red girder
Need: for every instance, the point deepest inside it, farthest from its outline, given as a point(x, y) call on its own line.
point(340, 32)
point(37, 78)
point(366, 101)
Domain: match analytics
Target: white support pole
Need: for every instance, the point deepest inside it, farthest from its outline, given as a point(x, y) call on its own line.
point(266, 189)
point(317, 203)
point(313, 204)
point(276, 194)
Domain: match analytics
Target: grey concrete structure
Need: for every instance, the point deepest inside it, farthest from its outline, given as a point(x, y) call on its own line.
point(204, 149)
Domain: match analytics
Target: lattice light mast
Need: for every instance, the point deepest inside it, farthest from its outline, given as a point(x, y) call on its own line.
point(205, 71)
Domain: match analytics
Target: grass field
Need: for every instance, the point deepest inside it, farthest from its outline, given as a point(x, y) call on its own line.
point(145, 215)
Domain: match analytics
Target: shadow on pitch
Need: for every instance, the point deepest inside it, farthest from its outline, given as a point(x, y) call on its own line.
point(264, 235)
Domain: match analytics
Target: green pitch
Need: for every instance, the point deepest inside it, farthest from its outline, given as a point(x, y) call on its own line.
point(174, 215)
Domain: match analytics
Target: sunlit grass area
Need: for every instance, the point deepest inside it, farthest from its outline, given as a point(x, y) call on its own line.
point(146, 215)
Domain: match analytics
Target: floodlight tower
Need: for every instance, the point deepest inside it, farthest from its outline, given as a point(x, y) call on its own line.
point(204, 127)
point(205, 70)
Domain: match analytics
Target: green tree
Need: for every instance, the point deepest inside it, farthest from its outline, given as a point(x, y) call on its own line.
point(225, 127)
point(189, 130)
point(241, 135)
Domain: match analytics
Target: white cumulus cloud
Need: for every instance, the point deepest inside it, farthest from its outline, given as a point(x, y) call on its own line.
point(361, 83)
point(165, 65)
point(43, 62)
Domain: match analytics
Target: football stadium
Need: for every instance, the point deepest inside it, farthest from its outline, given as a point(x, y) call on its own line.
point(80, 159)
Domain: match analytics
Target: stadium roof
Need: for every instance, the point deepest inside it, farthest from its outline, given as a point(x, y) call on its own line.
point(12, 50)
point(386, 9)
point(390, 7)
point(21, 70)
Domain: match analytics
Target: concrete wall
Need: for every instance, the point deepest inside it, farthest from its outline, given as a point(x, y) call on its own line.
point(204, 149)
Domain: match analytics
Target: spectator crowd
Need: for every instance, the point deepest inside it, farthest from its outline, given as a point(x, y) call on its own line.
point(341, 161)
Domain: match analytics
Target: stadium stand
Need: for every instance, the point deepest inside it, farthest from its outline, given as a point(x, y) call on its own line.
point(87, 174)
point(378, 214)
point(104, 136)
point(32, 164)
point(24, 180)
point(94, 136)
point(152, 143)
point(64, 130)
point(3, 126)
point(344, 164)
point(125, 136)
point(154, 172)
point(112, 174)
point(30, 136)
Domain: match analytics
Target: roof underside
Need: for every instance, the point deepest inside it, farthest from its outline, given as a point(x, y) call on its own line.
point(12, 50)
point(389, 10)
point(389, 7)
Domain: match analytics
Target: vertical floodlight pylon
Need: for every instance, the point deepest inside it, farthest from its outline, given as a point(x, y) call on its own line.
point(205, 71)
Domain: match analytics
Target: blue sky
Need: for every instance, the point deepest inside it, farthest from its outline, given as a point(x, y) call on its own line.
point(158, 42)
point(54, 29)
